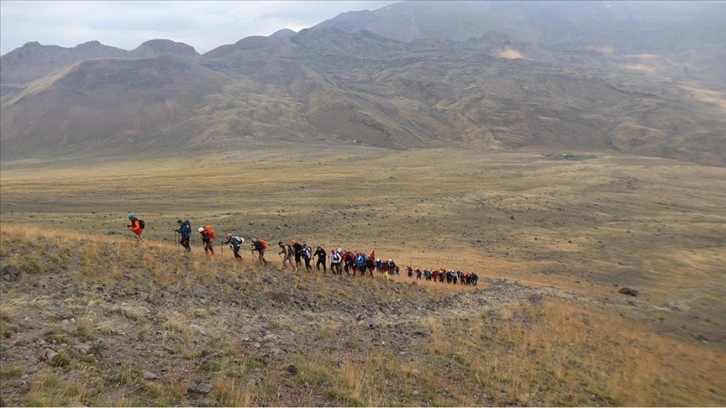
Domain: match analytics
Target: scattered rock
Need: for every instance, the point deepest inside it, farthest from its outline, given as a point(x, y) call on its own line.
point(629, 291)
point(200, 292)
point(10, 273)
point(148, 375)
point(201, 388)
point(46, 355)
point(292, 369)
point(154, 298)
point(83, 348)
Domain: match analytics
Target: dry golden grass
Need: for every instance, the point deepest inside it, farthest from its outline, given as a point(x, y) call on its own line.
point(558, 352)
point(577, 226)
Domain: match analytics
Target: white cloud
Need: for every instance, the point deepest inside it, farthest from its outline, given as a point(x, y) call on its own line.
point(125, 24)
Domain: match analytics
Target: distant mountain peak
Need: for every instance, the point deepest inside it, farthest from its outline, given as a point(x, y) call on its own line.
point(157, 47)
point(350, 21)
point(283, 33)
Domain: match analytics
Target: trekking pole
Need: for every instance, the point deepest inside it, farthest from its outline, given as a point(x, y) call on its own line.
point(221, 249)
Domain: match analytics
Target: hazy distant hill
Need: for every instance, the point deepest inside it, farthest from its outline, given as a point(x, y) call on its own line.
point(106, 105)
point(33, 61)
point(686, 32)
point(639, 78)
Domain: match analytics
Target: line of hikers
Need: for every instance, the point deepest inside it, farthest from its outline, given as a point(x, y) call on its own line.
point(295, 253)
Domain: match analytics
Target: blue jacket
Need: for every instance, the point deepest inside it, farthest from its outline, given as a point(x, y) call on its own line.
point(185, 229)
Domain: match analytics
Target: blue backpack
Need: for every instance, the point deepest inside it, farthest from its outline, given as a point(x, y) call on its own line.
point(186, 229)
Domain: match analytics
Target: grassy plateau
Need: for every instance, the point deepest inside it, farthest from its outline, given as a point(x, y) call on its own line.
point(97, 318)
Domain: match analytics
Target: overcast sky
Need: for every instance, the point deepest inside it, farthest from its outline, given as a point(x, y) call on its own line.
point(204, 25)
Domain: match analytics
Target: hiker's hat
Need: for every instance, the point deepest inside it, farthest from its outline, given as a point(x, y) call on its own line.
point(229, 235)
point(200, 229)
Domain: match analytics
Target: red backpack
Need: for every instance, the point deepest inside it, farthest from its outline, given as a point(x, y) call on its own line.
point(263, 243)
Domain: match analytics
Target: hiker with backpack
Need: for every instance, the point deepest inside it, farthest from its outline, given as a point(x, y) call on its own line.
point(297, 247)
point(137, 226)
point(288, 253)
point(307, 255)
point(360, 263)
point(335, 260)
point(321, 254)
point(370, 265)
point(185, 232)
point(235, 242)
point(260, 245)
point(208, 236)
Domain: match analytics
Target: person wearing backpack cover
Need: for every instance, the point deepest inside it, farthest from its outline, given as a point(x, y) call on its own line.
point(185, 232)
point(260, 245)
point(137, 226)
point(207, 240)
point(235, 243)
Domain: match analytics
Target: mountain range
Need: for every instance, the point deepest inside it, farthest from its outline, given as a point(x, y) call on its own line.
point(643, 78)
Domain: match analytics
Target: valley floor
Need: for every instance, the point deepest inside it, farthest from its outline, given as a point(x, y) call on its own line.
point(95, 318)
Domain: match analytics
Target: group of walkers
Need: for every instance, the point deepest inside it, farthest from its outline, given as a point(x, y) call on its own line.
point(442, 275)
point(294, 254)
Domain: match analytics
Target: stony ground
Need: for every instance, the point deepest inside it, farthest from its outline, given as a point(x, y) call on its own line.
point(178, 335)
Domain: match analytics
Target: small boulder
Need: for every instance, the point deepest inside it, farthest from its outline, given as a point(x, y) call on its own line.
point(629, 291)
point(201, 388)
point(148, 375)
point(10, 273)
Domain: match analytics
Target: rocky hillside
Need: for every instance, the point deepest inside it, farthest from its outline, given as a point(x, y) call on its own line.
point(415, 74)
point(106, 321)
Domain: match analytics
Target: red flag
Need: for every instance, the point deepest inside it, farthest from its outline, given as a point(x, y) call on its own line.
point(373, 255)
